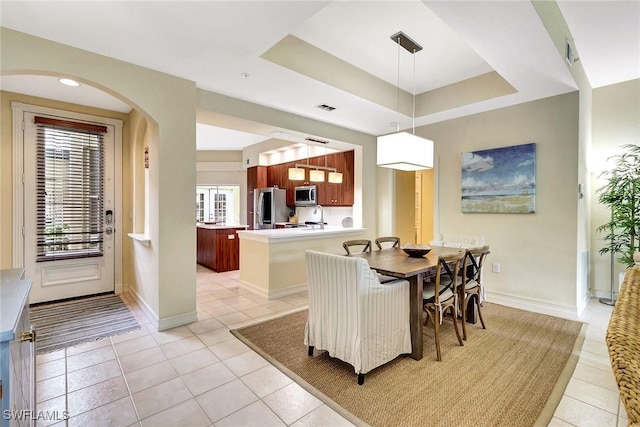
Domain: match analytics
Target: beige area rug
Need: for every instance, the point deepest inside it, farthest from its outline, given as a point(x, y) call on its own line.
point(511, 374)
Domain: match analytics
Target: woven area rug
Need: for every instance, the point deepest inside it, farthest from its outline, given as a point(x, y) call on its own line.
point(69, 323)
point(511, 374)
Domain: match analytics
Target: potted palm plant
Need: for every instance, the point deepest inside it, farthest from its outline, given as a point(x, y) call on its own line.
point(622, 195)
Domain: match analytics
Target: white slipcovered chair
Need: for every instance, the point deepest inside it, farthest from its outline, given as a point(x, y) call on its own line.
point(352, 315)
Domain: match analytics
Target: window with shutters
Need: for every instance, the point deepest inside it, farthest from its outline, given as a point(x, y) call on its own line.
point(70, 180)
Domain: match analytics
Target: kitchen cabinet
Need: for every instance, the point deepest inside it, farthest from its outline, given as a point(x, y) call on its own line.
point(256, 178)
point(339, 194)
point(218, 247)
point(278, 176)
point(329, 194)
point(17, 351)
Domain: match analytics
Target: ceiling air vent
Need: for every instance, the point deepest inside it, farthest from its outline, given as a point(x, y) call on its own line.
point(319, 141)
point(325, 107)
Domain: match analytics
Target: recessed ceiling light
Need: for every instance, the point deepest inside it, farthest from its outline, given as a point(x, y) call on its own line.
point(69, 82)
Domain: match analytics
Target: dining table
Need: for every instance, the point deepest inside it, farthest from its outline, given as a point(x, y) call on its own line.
point(396, 263)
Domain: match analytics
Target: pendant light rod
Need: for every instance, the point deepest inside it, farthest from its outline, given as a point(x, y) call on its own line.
point(398, 86)
point(412, 47)
point(413, 113)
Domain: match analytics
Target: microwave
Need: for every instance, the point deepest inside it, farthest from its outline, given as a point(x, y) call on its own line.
point(306, 195)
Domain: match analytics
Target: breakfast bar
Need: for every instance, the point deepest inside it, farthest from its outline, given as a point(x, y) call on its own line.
point(272, 262)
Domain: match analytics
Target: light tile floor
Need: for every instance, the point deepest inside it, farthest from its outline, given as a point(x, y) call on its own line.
point(201, 375)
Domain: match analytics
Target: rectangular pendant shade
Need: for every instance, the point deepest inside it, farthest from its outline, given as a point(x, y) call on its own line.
point(335, 177)
point(405, 151)
point(316, 176)
point(296, 174)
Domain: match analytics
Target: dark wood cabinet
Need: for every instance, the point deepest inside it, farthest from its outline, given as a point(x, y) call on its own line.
point(329, 194)
point(339, 194)
point(218, 248)
point(256, 178)
point(278, 176)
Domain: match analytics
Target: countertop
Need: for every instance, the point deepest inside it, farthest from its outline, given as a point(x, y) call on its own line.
point(14, 294)
point(277, 235)
point(221, 226)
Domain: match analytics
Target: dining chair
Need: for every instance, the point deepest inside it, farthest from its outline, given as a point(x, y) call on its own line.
point(471, 289)
point(365, 244)
point(352, 315)
point(395, 241)
point(435, 304)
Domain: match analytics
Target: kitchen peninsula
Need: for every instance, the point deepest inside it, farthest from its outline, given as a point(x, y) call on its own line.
point(217, 246)
point(272, 262)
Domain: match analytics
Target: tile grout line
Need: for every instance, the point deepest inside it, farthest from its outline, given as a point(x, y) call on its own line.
point(126, 383)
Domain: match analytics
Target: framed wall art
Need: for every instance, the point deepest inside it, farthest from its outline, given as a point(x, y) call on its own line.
point(499, 180)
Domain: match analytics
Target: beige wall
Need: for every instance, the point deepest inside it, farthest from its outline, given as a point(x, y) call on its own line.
point(537, 252)
point(558, 30)
point(405, 206)
point(6, 162)
point(218, 156)
point(427, 185)
point(616, 121)
point(173, 110)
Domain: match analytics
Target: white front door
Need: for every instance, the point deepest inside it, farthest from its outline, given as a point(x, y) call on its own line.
point(69, 211)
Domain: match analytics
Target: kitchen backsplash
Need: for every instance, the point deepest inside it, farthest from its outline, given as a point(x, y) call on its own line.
point(333, 215)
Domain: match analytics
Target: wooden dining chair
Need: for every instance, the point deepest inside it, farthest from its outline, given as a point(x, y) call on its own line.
point(471, 289)
point(395, 241)
point(363, 243)
point(435, 304)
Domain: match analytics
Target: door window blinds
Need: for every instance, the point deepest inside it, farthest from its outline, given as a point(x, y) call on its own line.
point(69, 187)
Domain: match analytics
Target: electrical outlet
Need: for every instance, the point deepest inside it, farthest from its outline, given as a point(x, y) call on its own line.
point(495, 267)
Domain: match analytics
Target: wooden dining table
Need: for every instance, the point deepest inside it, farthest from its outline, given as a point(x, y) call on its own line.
point(396, 263)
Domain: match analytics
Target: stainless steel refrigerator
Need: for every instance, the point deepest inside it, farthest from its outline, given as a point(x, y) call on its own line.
point(270, 206)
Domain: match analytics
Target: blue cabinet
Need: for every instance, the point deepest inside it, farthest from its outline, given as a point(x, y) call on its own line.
point(17, 351)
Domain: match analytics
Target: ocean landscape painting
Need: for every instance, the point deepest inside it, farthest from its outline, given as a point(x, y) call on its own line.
point(500, 180)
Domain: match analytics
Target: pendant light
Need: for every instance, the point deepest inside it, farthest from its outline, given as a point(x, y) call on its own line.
point(297, 173)
point(335, 177)
point(316, 173)
point(403, 150)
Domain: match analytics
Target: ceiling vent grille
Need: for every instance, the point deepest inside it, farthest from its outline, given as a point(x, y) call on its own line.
point(325, 107)
point(319, 141)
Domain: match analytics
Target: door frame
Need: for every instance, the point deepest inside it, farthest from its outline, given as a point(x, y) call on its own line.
point(18, 110)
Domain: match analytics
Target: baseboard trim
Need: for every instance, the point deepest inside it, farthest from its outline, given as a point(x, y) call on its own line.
point(148, 311)
point(536, 306)
point(162, 324)
point(177, 320)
